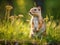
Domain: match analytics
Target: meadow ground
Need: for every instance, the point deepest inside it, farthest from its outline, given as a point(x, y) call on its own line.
point(16, 32)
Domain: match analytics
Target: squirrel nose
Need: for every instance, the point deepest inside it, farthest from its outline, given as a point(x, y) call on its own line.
point(30, 12)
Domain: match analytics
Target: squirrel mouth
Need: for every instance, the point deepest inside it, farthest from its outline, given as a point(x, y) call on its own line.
point(33, 14)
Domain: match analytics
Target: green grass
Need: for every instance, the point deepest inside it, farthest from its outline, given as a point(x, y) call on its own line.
point(19, 31)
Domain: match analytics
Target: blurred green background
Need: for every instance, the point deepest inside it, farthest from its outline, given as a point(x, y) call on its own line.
point(23, 7)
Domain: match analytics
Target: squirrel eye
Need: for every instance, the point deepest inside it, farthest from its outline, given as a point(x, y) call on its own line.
point(34, 9)
point(38, 9)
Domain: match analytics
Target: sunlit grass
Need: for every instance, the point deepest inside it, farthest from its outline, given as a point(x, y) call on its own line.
point(19, 30)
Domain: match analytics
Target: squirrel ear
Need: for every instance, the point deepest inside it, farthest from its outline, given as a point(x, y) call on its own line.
point(39, 7)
